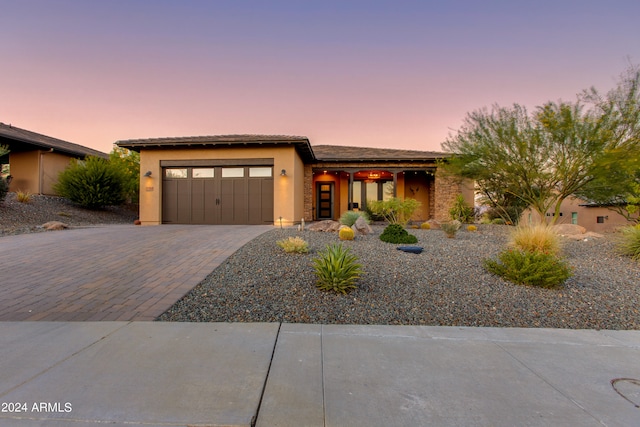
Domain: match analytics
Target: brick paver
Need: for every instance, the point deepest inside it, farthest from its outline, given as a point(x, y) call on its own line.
point(120, 272)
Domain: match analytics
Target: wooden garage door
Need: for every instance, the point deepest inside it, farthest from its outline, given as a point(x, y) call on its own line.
point(217, 195)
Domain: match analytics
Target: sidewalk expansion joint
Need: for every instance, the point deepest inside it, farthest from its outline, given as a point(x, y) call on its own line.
point(254, 419)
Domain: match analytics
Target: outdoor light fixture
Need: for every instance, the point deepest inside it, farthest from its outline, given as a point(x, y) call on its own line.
point(147, 173)
point(283, 172)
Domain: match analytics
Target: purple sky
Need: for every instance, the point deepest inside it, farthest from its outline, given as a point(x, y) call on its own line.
point(399, 74)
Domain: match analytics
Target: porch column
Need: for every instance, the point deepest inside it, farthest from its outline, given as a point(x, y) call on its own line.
point(395, 183)
point(350, 192)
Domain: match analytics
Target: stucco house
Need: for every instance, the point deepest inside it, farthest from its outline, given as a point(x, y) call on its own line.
point(274, 179)
point(591, 216)
point(35, 160)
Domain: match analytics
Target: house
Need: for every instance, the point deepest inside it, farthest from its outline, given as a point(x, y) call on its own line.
point(274, 179)
point(591, 216)
point(35, 160)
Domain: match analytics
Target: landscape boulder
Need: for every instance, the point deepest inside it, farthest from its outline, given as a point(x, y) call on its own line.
point(568, 229)
point(326, 225)
point(54, 225)
point(361, 226)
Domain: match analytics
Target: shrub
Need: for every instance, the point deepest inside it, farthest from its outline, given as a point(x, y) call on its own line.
point(460, 211)
point(395, 233)
point(529, 268)
point(349, 218)
point(337, 269)
point(294, 244)
point(23, 196)
point(498, 221)
point(472, 228)
point(394, 210)
point(425, 226)
point(629, 243)
point(450, 228)
point(92, 183)
point(536, 238)
point(4, 189)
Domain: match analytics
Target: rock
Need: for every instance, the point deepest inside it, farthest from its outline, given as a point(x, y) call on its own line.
point(361, 226)
point(54, 225)
point(326, 225)
point(137, 222)
point(568, 229)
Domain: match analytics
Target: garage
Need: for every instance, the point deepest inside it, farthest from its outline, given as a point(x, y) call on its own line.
point(207, 194)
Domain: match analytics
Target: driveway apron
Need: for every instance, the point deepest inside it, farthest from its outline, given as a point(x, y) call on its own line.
point(121, 272)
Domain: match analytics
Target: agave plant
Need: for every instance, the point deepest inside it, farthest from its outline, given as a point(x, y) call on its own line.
point(337, 269)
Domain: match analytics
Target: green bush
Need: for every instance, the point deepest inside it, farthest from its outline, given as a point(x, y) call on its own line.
point(395, 233)
point(336, 269)
point(498, 221)
point(349, 218)
point(629, 243)
point(460, 211)
point(529, 268)
point(450, 228)
point(293, 244)
point(92, 183)
point(128, 164)
point(394, 210)
point(4, 189)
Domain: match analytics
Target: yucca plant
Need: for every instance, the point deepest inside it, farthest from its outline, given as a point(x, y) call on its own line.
point(337, 269)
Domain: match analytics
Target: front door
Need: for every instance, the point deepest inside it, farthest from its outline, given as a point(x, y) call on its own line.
point(325, 200)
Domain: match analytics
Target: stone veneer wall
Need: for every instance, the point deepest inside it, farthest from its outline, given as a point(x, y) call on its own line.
point(308, 193)
point(447, 188)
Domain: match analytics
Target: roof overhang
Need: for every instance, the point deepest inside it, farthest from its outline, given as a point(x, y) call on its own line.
point(300, 143)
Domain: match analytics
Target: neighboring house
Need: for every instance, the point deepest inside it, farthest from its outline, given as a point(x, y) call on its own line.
point(35, 160)
point(593, 217)
point(272, 179)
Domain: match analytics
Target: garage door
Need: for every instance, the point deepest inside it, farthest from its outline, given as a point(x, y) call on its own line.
point(217, 195)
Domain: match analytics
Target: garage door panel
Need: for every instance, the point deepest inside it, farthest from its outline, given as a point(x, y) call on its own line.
point(235, 198)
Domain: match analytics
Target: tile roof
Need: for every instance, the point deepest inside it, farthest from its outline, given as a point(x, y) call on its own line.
point(21, 140)
point(343, 153)
point(301, 142)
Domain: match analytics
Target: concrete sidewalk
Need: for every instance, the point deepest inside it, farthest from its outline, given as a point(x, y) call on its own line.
point(214, 374)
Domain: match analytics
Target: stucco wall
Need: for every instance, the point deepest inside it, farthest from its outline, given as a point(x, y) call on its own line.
point(52, 165)
point(288, 190)
point(25, 171)
point(587, 216)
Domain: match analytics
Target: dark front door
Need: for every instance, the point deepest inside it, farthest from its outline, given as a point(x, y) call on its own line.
point(325, 200)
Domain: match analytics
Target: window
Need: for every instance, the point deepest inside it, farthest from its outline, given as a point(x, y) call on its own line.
point(175, 173)
point(264, 172)
point(600, 219)
point(232, 172)
point(202, 172)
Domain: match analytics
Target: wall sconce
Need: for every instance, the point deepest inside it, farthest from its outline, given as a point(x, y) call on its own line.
point(147, 174)
point(283, 172)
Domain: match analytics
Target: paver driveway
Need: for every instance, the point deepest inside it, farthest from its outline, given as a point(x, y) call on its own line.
point(121, 272)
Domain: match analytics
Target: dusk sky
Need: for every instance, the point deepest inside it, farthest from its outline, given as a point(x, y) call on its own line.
point(396, 74)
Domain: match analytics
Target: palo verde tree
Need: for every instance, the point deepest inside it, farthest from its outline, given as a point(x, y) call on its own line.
point(616, 183)
point(540, 158)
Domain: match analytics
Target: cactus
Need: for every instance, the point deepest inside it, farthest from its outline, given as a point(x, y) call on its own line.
point(346, 233)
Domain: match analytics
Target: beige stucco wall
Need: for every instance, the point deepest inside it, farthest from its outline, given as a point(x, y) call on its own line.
point(36, 171)
point(288, 191)
point(52, 164)
point(25, 171)
point(587, 216)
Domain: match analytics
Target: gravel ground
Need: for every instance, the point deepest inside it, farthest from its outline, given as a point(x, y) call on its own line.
point(21, 218)
point(444, 285)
